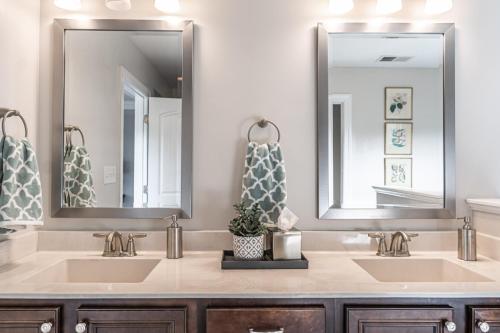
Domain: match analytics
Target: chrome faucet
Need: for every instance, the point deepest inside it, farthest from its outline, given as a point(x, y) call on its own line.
point(113, 244)
point(399, 244)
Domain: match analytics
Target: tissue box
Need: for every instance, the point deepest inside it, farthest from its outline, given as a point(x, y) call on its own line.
point(287, 245)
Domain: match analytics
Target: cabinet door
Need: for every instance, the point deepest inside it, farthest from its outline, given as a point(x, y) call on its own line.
point(398, 320)
point(241, 320)
point(485, 320)
point(29, 320)
point(137, 320)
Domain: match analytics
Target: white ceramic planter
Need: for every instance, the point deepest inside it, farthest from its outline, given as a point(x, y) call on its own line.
point(248, 248)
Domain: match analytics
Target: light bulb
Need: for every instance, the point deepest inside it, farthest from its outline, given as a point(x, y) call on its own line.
point(433, 7)
point(68, 4)
point(385, 7)
point(119, 5)
point(168, 6)
point(341, 6)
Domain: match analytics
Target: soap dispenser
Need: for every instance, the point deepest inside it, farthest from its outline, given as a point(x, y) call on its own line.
point(174, 239)
point(467, 241)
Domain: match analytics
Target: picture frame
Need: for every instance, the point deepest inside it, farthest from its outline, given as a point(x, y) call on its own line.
point(398, 138)
point(398, 172)
point(398, 103)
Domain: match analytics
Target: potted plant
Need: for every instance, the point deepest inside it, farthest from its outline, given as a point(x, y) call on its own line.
point(248, 233)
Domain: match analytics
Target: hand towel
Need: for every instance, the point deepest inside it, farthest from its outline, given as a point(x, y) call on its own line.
point(264, 181)
point(20, 186)
point(79, 189)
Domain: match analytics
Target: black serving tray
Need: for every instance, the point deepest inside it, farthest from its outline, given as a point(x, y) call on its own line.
point(230, 262)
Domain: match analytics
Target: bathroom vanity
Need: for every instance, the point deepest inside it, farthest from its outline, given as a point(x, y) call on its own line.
point(341, 292)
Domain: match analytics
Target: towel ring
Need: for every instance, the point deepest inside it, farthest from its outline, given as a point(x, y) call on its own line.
point(263, 124)
point(12, 113)
point(69, 129)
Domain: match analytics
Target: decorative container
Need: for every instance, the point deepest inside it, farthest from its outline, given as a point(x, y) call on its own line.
point(287, 245)
point(248, 248)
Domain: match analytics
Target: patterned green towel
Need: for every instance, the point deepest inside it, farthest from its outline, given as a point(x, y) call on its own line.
point(79, 189)
point(20, 189)
point(264, 180)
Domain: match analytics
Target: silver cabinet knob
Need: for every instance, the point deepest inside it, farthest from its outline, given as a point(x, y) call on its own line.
point(46, 327)
point(483, 326)
point(281, 330)
point(81, 328)
point(450, 326)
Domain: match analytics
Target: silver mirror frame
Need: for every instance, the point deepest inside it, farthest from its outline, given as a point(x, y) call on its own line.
point(325, 207)
point(187, 29)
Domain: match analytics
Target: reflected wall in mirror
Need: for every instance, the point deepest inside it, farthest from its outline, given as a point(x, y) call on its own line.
point(127, 118)
point(386, 137)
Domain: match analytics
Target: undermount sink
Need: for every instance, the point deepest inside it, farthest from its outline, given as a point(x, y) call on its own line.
point(418, 270)
point(119, 270)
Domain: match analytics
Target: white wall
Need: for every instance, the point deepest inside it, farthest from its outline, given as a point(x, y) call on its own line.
point(257, 58)
point(19, 45)
point(93, 98)
point(367, 88)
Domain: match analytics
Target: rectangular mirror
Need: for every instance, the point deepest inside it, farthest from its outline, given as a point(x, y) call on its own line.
point(386, 121)
point(123, 119)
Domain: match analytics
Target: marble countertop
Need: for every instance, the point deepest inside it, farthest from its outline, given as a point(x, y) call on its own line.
point(198, 275)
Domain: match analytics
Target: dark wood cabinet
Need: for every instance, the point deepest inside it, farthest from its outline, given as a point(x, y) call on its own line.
point(133, 320)
point(266, 319)
point(398, 320)
point(29, 320)
point(225, 315)
point(485, 320)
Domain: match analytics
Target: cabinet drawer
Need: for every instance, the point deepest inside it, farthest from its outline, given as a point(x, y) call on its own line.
point(241, 320)
point(133, 320)
point(397, 320)
point(490, 316)
point(28, 320)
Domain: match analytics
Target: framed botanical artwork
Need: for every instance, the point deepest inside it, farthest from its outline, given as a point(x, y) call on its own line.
point(398, 138)
point(398, 103)
point(398, 172)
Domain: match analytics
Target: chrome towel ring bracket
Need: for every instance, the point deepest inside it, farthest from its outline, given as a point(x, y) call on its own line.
point(6, 113)
point(263, 124)
point(69, 129)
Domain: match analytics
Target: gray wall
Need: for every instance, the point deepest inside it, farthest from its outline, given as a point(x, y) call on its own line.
point(257, 58)
point(19, 58)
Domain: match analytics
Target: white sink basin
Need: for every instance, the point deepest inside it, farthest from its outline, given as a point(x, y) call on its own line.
point(119, 270)
point(418, 270)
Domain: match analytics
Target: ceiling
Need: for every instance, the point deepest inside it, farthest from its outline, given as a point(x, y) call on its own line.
point(364, 50)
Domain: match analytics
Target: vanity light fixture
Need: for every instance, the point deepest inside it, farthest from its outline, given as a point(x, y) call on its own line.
point(168, 6)
point(341, 6)
point(434, 7)
point(118, 5)
point(68, 4)
point(386, 7)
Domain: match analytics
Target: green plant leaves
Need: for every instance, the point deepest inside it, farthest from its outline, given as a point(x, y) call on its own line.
point(247, 223)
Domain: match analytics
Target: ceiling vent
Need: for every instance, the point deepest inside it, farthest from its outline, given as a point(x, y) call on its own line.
point(393, 59)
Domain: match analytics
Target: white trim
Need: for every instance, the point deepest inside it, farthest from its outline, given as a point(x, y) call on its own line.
point(345, 101)
point(128, 79)
point(491, 206)
point(408, 198)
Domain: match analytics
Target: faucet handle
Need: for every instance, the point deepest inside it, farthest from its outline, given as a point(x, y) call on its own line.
point(131, 252)
point(107, 243)
point(377, 235)
point(137, 235)
point(382, 245)
point(411, 235)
